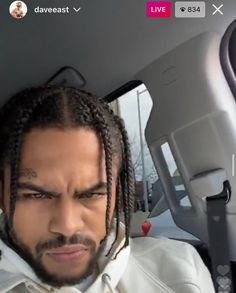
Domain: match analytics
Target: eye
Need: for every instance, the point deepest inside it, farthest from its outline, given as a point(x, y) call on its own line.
point(36, 196)
point(91, 195)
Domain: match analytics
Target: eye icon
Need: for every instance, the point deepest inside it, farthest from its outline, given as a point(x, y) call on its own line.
point(182, 9)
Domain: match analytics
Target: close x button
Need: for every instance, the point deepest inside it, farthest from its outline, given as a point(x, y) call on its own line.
point(218, 9)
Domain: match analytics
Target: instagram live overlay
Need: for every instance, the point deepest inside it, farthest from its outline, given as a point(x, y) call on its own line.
point(152, 9)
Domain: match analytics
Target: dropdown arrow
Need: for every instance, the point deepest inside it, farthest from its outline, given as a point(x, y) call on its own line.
point(76, 9)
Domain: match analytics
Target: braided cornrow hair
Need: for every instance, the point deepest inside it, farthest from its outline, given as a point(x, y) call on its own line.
point(63, 107)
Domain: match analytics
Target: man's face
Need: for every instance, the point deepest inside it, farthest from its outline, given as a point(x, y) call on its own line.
point(59, 219)
point(18, 4)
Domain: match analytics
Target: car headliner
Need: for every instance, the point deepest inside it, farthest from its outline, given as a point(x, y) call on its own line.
point(108, 42)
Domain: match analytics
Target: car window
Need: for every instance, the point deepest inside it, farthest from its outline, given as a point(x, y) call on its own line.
point(134, 107)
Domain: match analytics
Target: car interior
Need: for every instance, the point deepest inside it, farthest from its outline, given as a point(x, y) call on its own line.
point(188, 67)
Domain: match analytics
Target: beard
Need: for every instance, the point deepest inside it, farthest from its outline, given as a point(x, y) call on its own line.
point(35, 262)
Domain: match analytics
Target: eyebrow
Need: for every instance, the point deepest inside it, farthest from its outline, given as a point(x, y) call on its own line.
point(98, 186)
point(34, 187)
point(101, 186)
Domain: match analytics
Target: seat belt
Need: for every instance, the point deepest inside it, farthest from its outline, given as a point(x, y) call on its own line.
point(218, 240)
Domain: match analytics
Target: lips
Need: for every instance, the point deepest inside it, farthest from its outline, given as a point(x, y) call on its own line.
point(68, 249)
point(68, 253)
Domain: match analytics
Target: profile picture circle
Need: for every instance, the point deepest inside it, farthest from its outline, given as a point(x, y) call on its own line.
point(18, 9)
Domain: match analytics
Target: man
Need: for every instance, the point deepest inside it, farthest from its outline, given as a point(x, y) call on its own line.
point(18, 12)
point(66, 177)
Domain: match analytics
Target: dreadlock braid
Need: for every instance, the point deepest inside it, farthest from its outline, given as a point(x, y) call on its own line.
point(128, 166)
point(60, 107)
point(104, 132)
point(24, 115)
point(127, 175)
point(118, 210)
point(128, 178)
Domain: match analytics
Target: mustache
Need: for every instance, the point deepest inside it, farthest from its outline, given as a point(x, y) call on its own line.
point(64, 240)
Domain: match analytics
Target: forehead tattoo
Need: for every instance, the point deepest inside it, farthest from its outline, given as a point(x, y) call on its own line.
point(29, 173)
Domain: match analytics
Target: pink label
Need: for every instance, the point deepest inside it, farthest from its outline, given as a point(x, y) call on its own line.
point(158, 9)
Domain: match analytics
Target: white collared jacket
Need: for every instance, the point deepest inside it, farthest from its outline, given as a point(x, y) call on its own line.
point(147, 265)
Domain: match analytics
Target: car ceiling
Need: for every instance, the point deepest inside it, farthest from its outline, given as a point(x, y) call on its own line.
point(108, 42)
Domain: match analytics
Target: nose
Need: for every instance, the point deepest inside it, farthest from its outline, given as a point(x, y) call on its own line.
point(67, 218)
